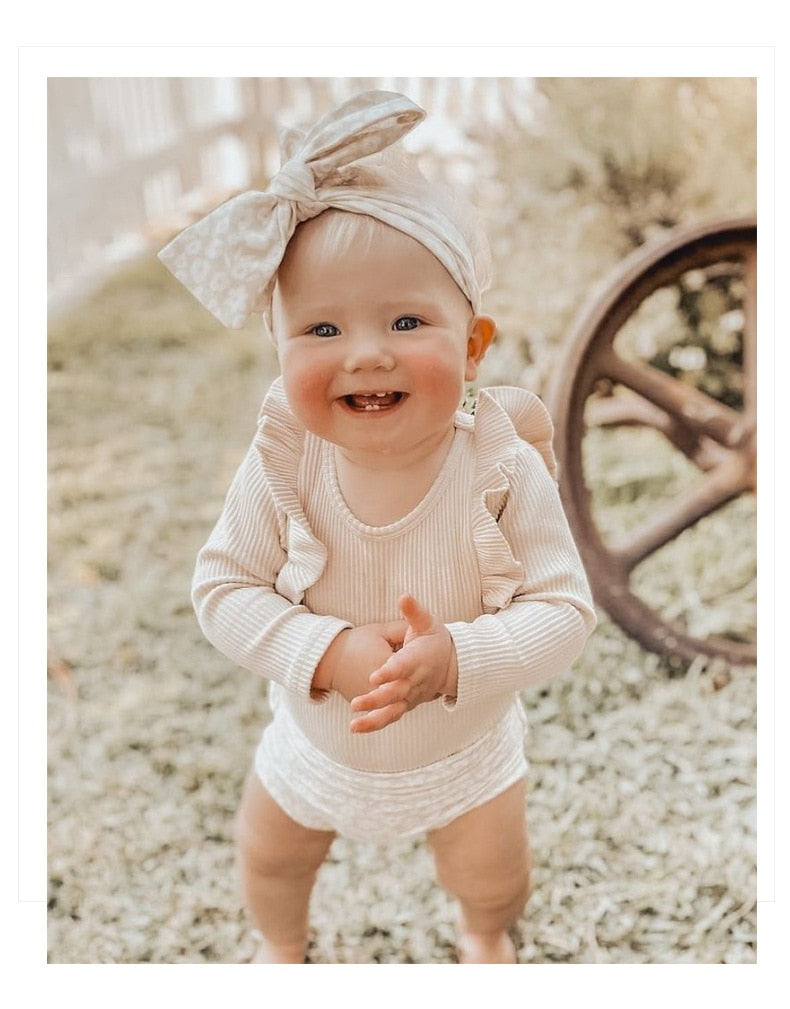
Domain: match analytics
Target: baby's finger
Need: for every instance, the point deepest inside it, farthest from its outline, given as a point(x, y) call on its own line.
point(378, 719)
point(380, 697)
point(419, 619)
point(394, 632)
point(398, 667)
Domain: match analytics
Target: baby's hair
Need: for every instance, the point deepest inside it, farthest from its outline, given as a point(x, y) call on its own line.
point(343, 230)
point(397, 172)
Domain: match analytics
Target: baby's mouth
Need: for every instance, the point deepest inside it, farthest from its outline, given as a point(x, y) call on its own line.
point(368, 401)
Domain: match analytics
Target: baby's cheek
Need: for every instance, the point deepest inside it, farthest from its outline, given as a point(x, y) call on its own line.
point(304, 385)
point(306, 389)
point(440, 377)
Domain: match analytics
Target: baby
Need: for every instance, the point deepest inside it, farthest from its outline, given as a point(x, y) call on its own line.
point(398, 569)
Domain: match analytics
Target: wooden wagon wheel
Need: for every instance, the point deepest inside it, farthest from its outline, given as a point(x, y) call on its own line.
point(667, 355)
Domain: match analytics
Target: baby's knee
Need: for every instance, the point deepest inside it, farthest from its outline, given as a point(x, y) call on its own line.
point(489, 887)
point(505, 891)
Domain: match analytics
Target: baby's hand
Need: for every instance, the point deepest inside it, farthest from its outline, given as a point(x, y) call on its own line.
point(354, 654)
point(424, 669)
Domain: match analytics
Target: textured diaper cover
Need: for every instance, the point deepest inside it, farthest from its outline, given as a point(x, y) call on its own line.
point(381, 806)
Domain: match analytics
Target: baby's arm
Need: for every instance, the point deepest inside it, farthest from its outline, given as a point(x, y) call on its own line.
point(234, 593)
point(545, 626)
point(243, 615)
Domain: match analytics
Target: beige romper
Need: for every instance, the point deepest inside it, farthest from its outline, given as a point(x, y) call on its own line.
point(488, 551)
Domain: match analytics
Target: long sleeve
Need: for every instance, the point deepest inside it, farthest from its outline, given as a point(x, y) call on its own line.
point(544, 628)
point(236, 581)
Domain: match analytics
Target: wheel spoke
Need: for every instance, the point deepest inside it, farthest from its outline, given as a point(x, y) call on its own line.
point(687, 405)
point(720, 486)
point(625, 408)
point(750, 334)
point(629, 408)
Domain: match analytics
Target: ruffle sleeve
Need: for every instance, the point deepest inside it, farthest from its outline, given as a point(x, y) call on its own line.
point(505, 418)
point(280, 441)
point(539, 611)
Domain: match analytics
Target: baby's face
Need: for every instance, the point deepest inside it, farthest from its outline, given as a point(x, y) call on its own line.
point(375, 344)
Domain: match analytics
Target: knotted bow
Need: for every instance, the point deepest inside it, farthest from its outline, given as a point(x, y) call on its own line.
point(229, 259)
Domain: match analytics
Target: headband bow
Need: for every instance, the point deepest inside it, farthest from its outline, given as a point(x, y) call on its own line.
point(229, 259)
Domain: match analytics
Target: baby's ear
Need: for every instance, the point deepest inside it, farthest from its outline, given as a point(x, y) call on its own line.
point(479, 334)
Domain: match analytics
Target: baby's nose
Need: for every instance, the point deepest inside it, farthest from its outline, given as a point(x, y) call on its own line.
point(368, 351)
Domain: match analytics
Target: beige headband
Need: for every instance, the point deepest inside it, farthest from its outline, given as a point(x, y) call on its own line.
point(229, 259)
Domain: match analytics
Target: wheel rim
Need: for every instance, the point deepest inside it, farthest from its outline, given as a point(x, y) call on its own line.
point(603, 386)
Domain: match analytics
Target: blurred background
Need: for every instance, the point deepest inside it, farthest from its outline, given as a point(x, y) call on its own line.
point(156, 149)
point(642, 761)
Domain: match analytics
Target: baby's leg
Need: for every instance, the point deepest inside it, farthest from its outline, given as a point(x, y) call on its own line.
point(483, 859)
point(278, 861)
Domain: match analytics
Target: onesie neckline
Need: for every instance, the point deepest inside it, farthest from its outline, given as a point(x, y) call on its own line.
point(412, 517)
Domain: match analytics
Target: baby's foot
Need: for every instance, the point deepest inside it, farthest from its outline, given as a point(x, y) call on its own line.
point(272, 952)
point(496, 947)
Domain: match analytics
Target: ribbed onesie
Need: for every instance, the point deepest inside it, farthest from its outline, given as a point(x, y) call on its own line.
point(488, 551)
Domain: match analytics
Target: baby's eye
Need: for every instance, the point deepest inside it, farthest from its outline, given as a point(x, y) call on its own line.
point(324, 329)
point(406, 322)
